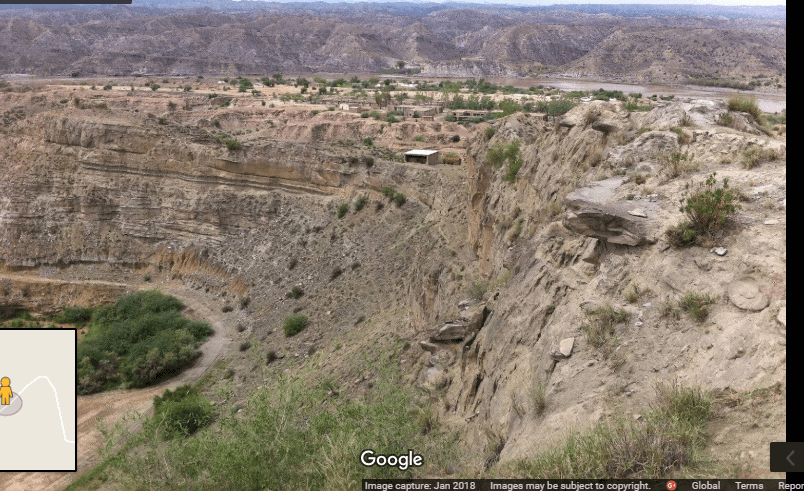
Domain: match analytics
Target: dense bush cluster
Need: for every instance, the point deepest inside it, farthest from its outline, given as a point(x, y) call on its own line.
point(137, 341)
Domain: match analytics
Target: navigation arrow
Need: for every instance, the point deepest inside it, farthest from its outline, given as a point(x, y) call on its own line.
point(788, 458)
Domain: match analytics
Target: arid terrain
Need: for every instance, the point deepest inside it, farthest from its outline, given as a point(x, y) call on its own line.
point(644, 44)
point(479, 285)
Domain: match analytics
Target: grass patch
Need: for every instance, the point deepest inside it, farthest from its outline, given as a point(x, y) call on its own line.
point(138, 341)
point(285, 434)
point(725, 119)
point(677, 163)
point(631, 294)
point(343, 209)
point(753, 156)
point(670, 309)
point(600, 330)
point(539, 397)
point(478, 290)
point(696, 305)
point(671, 437)
point(682, 136)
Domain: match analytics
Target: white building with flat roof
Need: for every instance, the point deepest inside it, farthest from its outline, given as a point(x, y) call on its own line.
point(429, 157)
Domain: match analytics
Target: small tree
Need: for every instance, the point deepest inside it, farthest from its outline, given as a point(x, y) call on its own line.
point(400, 64)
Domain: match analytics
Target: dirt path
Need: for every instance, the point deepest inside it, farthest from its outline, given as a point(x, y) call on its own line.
point(109, 407)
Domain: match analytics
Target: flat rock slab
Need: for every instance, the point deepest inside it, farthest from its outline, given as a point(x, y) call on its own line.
point(593, 211)
point(745, 294)
point(451, 331)
point(599, 192)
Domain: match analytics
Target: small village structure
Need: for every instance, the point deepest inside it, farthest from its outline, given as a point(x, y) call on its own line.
point(428, 157)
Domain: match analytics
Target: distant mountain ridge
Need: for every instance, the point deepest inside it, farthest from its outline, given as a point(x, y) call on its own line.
point(179, 37)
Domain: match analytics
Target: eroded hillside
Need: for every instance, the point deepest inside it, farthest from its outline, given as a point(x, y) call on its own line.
point(474, 281)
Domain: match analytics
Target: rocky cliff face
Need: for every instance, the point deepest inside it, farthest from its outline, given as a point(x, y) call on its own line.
point(548, 272)
point(497, 278)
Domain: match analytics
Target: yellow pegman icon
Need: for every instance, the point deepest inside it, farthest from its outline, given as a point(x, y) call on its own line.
point(5, 391)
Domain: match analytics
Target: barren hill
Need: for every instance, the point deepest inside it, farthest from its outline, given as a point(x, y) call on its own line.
point(643, 45)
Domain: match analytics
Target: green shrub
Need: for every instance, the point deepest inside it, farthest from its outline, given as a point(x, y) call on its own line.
point(294, 324)
point(232, 144)
point(295, 292)
point(364, 115)
point(391, 119)
point(399, 199)
point(367, 142)
point(456, 138)
point(449, 118)
point(360, 202)
point(708, 208)
point(107, 87)
point(343, 209)
point(419, 138)
point(181, 412)
point(513, 169)
point(155, 87)
point(725, 119)
point(216, 123)
point(745, 104)
point(388, 192)
point(490, 131)
point(74, 315)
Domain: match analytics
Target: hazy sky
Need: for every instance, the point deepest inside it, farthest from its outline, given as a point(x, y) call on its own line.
point(607, 2)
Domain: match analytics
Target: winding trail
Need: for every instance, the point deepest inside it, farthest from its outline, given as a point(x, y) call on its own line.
point(109, 407)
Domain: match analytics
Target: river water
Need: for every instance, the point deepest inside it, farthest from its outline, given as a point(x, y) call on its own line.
point(770, 103)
